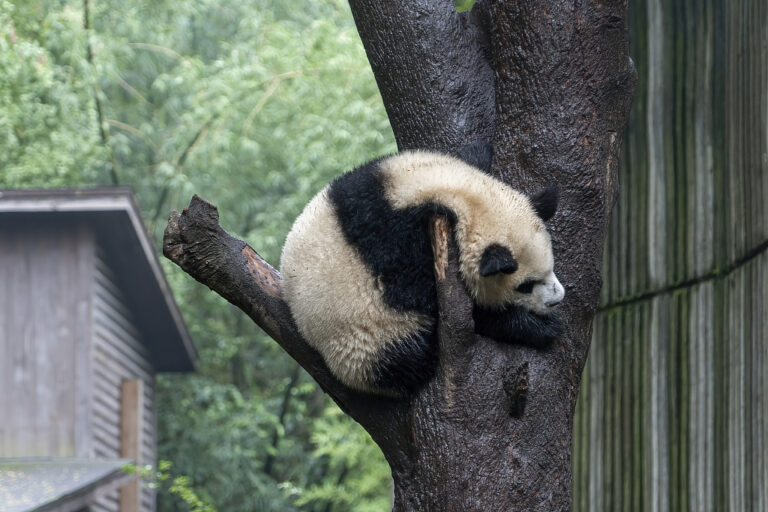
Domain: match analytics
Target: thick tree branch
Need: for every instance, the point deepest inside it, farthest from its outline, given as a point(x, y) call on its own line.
point(194, 240)
point(564, 85)
point(432, 68)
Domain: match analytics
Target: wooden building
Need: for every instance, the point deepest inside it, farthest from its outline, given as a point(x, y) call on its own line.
point(86, 321)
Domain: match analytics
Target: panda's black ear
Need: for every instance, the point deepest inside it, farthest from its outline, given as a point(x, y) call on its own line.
point(497, 259)
point(545, 202)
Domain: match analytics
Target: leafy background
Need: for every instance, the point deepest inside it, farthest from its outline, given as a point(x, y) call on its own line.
point(254, 105)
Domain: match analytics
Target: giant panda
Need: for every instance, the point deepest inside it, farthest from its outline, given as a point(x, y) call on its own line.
point(357, 266)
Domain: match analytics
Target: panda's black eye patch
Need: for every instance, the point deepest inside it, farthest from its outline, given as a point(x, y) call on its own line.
point(527, 286)
point(497, 260)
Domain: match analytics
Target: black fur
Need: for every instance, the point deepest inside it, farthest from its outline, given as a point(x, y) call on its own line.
point(404, 366)
point(515, 324)
point(497, 259)
point(394, 244)
point(545, 202)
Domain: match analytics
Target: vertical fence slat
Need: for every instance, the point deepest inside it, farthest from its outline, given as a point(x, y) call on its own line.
point(597, 369)
point(760, 339)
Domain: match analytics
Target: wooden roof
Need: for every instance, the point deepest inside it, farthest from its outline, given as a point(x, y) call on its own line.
point(114, 216)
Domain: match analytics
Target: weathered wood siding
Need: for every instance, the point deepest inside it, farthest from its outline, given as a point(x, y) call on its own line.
point(672, 411)
point(67, 341)
point(45, 304)
point(118, 354)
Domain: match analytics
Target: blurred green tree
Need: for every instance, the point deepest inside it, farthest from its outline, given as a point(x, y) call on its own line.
point(257, 104)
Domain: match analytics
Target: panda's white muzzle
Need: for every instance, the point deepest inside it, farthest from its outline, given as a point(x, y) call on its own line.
point(548, 294)
point(557, 292)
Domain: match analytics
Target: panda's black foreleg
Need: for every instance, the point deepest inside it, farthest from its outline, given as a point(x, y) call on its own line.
point(518, 325)
point(406, 365)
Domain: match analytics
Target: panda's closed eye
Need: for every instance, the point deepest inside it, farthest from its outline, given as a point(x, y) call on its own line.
point(527, 286)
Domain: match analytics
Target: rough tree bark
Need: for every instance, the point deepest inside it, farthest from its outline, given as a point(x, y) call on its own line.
point(549, 83)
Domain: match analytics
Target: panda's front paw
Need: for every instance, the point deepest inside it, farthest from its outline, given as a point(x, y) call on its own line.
point(542, 330)
point(517, 325)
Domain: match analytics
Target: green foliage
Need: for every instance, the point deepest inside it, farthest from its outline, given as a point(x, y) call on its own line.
point(48, 132)
point(346, 452)
point(254, 105)
point(178, 486)
point(463, 5)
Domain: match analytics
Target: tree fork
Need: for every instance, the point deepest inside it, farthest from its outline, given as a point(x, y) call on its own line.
point(549, 83)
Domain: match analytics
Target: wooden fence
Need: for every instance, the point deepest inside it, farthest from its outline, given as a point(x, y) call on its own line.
point(673, 410)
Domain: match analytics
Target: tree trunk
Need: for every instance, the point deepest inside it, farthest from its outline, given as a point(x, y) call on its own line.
point(549, 84)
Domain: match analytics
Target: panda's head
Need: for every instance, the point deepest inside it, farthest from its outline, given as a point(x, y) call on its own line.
point(515, 264)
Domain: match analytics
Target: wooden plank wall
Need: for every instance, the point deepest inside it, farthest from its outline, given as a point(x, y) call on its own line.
point(118, 354)
point(672, 411)
point(45, 307)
